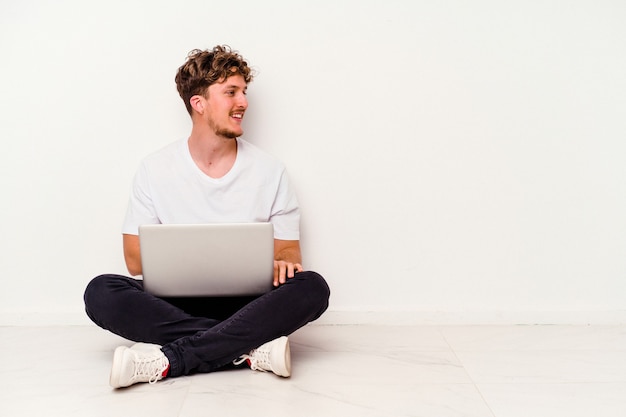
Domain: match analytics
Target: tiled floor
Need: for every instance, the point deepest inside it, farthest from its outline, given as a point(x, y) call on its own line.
point(362, 371)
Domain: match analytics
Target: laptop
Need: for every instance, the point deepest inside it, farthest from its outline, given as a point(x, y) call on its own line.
point(211, 260)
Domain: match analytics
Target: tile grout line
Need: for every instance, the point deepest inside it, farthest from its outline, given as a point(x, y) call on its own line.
point(465, 370)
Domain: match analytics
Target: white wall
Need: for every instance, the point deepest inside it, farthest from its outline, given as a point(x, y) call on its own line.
point(455, 159)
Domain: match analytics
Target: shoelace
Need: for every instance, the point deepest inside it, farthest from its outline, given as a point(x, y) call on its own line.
point(151, 368)
point(258, 360)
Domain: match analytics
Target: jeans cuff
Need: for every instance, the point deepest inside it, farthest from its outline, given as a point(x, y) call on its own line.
point(174, 362)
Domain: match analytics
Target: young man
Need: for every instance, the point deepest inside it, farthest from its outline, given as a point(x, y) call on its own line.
point(213, 176)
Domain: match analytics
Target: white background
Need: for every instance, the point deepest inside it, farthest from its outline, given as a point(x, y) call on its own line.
point(461, 158)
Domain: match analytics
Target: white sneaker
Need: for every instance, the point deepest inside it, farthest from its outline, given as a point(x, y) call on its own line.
point(143, 362)
point(274, 356)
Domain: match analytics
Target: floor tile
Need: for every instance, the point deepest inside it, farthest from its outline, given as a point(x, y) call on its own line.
point(545, 366)
point(330, 398)
point(356, 368)
point(556, 400)
point(364, 370)
point(370, 338)
point(76, 400)
point(544, 338)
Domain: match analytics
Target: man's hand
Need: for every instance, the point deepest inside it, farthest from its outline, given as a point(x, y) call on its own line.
point(284, 270)
point(287, 260)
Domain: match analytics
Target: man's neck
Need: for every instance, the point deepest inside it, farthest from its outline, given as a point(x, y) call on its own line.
point(214, 155)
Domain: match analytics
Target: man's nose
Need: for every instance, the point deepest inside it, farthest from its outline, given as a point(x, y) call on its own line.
point(242, 101)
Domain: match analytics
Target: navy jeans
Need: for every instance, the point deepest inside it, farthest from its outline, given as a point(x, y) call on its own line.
point(204, 334)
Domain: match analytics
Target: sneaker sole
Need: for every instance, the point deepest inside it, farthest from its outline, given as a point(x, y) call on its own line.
point(116, 368)
point(282, 357)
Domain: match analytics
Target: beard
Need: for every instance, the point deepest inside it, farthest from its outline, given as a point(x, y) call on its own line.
point(225, 133)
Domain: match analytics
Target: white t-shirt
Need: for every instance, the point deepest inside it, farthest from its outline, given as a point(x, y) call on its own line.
point(170, 188)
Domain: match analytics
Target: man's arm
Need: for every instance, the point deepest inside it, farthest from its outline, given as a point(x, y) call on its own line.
point(132, 254)
point(287, 260)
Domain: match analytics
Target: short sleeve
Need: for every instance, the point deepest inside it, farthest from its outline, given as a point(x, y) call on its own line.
point(285, 215)
point(140, 209)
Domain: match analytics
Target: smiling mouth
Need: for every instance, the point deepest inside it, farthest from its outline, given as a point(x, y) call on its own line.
point(238, 116)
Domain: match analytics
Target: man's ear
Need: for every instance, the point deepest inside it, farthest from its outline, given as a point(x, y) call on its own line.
point(197, 103)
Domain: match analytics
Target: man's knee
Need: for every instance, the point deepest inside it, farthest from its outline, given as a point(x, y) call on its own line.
point(98, 294)
point(96, 289)
point(319, 285)
point(317, 290)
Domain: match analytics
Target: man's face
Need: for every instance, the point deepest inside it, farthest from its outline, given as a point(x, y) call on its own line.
point(226, 103)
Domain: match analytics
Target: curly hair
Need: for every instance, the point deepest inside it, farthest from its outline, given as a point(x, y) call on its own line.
point(204, 68)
